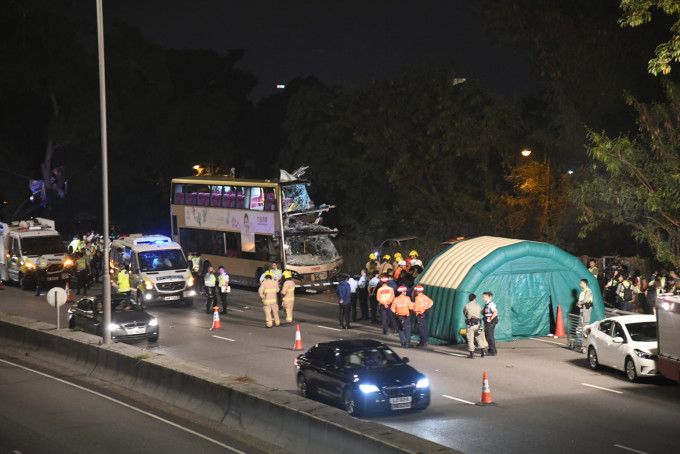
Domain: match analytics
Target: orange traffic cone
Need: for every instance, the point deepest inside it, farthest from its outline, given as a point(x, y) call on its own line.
point(217, 324)
point(486, 393)
point(1, 285)
point(559, 323)
point(298, 339)
point(69, 298)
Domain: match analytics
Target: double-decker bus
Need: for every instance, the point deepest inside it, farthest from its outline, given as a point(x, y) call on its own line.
point(245, 225)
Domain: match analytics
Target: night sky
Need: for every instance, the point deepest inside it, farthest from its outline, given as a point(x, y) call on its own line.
point(340, 43)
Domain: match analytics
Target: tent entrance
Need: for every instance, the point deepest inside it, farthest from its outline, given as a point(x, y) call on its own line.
point(530, 304)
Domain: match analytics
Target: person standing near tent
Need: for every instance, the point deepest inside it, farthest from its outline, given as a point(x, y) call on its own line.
point(385, 296)
point(401, 307)
point(490, 321)
point(421, 308)
point(585, 302)
point(473, 321)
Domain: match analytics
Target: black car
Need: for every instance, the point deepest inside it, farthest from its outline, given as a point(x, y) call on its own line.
point(362, 376)
point(129, 320)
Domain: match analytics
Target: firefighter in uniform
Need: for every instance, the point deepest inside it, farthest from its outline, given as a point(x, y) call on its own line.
point(372, 264)
point(41, 275)
point(268, 290)
point(421, 309)
point(123, 281)
point(401, 307)
point(210, 281)
point(385, 265)
point(288, 295)
point(473, 321)
point(223, 284)
point(81, 267)
point(585, 302)
point(385, 296)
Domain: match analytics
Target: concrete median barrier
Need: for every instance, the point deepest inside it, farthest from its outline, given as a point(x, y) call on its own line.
point(279, 418)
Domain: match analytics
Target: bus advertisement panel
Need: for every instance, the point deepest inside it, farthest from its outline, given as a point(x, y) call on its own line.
point(245, 225)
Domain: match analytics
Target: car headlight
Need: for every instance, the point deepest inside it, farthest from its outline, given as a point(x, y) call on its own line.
point(113, 327)
point(148, 285)
point(190, 281)
point(153, 322)
point(368, 389)
point(29, 265)
point(68, 262)
point(586, 332)
point(423, 383)
point(645, 355)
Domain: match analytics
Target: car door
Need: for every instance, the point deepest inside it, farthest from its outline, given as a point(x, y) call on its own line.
point(315, 368)
point(84, 316)
point(617, 351)
point(602, 341)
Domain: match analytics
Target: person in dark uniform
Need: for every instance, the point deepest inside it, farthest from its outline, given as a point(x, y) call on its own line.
point(490, 321)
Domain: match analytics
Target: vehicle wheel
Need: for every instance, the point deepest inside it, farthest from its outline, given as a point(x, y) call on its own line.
point(23, 281)
point(350, 403)
point(631, 373)
point(303, 388)
point(153, 339)
point(139, 298)
point(592, 358)
point(258, 273)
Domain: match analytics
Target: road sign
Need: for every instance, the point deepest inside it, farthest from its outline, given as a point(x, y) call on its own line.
point(56, 296)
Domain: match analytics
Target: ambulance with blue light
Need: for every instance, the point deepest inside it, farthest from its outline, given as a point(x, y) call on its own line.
point(26, 246)
point(158, 269)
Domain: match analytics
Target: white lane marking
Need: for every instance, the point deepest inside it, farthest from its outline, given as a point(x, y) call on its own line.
point(450, 353)
point(317, 301)
point(459, 400)
point(629, 449)
point(603, 389)
point(225, 338)
point(138, 410)
point(548, 342)
point(328, 327)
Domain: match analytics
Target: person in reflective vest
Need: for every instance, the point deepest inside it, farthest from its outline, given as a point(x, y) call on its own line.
point(81, 270)
point(268, 290)
point(223, 285)
point(385, 296)
point(585, 302)
point(209, 282)
point(421, 310)
point(123, 281)
point(401, 307)
point(288, 295)
point(41, 274)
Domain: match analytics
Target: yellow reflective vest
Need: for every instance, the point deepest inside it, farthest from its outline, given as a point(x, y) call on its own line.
point(123, 281)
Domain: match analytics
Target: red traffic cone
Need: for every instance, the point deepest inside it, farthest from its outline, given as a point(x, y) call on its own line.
point(486, 393)
point(69, 298)
point(217, 324)
point(559, 323)
point(298, 339)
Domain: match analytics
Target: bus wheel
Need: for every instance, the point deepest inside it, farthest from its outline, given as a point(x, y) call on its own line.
point(258, 273)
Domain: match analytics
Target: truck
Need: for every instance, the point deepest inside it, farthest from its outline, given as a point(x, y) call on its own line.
point(27, 245)
point(158, 268)
point(668, 335)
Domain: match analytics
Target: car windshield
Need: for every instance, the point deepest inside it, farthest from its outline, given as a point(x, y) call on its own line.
point(162, 260)
point(642, 332)
point(370, 358)
point(309, 250)
point(125, 304)
point(41, 245)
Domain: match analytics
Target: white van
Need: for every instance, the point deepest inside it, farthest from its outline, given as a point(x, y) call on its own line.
point(159, 271)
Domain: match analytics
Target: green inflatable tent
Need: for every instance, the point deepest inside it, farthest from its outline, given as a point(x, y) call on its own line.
point(528, 281)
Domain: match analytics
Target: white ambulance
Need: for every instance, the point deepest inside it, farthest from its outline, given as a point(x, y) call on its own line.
point(159, 271)
point(27, 245)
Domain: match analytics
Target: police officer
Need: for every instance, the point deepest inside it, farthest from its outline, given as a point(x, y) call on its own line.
point(401, 307)
point(385, 296)
point(585, 302)
point(344, 292)
point(82, 274)
point(421, 309)
point(123, 281)
point(373, 284)
point(473, 321)
point(362, 290)
point(268, 290)
point(223, 284)
point(288, 295)
point(490, 320)
point(195, 259)
point(592, 268)
point(209, 283)
point(41, 274)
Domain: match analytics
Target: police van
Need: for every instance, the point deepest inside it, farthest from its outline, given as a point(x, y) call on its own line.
point(159, 271)
point(29, 246)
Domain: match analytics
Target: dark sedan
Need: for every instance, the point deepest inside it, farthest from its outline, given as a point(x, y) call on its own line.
point(362, 376)
point(129, 320)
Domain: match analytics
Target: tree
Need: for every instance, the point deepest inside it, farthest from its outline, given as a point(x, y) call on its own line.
point(638, 12)
point(636, 181)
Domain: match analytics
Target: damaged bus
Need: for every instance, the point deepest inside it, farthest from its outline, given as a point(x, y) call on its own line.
point(245, 225)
